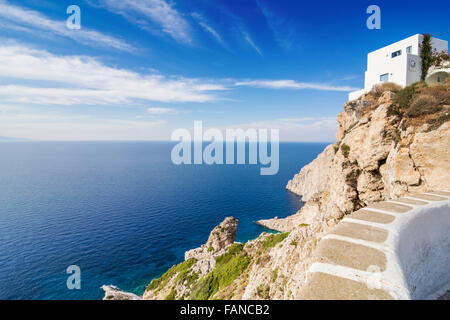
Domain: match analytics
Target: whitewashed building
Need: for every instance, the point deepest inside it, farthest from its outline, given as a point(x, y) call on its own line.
point(400, 63)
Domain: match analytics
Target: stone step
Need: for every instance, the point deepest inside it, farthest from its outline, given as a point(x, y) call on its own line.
point(344, 258)
point(372, 216)
point(428, 197)
point(322, 286)
point(411, 201)
point(343, 253)
point(390, 206)
point(360, 231)
point(442, 193)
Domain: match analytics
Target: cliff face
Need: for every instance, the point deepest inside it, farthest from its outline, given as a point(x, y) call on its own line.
point(386, 147)
point(378, 156)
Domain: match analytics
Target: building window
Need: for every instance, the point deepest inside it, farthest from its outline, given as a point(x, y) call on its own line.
point(409, 50)
point(396, 53)
point(384, 77)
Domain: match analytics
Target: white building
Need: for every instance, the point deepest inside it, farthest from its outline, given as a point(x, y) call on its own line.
point(400, 63)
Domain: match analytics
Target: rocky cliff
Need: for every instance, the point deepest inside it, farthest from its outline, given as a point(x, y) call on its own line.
point(390, 142)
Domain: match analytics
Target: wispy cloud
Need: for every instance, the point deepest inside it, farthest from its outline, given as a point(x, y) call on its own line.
point(161, 111)
point(282, 29)
point(156, 16)
point(349, 77)
point(202, 22)
point(292, 85)
point(39, 77)
point(238, 26)
point(250, 41)
point(21, 19)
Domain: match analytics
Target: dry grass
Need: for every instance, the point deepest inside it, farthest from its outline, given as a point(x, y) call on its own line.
point(440, 93)
point(379, 89)
point(422, 105)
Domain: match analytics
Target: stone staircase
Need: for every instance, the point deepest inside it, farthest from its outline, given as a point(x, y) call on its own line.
point(396, 249)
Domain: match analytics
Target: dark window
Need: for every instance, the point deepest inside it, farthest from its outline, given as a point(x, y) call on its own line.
point(396, 53)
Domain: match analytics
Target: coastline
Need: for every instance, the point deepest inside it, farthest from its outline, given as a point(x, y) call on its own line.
point(380, 159)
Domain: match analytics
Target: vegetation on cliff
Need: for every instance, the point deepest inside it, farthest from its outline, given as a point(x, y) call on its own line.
point(419, 104)
point(272, 240)
point(183, 274)
point(228, 267)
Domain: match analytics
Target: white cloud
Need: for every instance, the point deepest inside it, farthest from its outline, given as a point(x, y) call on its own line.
point(69, 80)
point(293, 85)
point(322, 129)
point(159, 12)
point(161, 111)
point(20, 19)
point(66, 128)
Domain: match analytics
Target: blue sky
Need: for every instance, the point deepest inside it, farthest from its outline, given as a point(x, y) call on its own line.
point(139, 69)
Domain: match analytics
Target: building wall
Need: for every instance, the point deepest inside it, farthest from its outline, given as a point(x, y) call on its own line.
point(404, 69)
point(381, 62)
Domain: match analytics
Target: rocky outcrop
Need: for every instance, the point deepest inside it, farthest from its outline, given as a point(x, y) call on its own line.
point(314, 177)
point(220, 238)
point(114, 293)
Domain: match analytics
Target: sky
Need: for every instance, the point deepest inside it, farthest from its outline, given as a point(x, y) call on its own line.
point(140, 69)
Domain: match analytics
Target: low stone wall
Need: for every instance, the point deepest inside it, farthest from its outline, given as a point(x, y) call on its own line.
point(396, 249)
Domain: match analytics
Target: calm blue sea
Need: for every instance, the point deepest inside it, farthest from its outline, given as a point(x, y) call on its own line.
point(122, 212)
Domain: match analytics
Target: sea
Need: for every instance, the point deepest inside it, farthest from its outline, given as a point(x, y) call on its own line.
point(122, 211)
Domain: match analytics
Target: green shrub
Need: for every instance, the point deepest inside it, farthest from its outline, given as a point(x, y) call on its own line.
point(336, 147)
point(272, 240)
point(396, 136)
point(403, 98)
point(210, 249)
point(182, 269)
point(303, 225)
point(426, 55)
point(348, 130)
point(274, 274)
point(263, 291)
point(171, 295)
point(228, 267)
point(345, 150)
point(206, 288)
point(393, 110)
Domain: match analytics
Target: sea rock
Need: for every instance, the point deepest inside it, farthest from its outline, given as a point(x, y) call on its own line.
point(198, 263)
point(219, 239)
point(114, 293)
